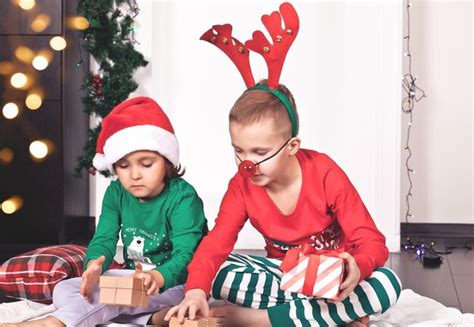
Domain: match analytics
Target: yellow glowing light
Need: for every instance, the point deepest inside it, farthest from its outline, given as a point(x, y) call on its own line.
point(58, 43)
point(10, 110)
point(6, 68)
point(40, 62)
point(18, 80)
point(27, 4)
point(12, 205)
point(40, 23)
point(6, 156)
point(24, 54)
point(39, 149)
point(78, 23)
point(33, 101)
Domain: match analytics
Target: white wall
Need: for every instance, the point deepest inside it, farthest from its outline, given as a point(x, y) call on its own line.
point(442, 138)
point(344, 70)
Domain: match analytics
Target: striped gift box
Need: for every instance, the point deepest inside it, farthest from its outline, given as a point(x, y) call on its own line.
point(314, 275)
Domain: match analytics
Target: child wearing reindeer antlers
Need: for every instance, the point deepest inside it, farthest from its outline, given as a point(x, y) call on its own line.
point(298, 199)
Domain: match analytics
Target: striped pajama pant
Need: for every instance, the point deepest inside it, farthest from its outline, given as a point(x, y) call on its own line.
point(254, 282)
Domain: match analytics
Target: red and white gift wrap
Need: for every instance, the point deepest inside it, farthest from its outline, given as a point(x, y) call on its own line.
point(306, 272)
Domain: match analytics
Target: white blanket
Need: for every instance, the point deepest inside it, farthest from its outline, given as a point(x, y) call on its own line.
point(23, 310)
point(411, 309)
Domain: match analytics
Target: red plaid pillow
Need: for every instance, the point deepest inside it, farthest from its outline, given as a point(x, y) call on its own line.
point(34, 274)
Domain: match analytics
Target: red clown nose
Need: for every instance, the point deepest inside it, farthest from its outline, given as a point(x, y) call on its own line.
point(247, 168)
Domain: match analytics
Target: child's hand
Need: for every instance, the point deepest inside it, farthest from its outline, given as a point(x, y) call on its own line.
point(352, 277)
point(194, 301)
point(153, 279)
point(90, 277)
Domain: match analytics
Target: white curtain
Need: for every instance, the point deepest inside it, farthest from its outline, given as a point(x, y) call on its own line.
point(344, 70)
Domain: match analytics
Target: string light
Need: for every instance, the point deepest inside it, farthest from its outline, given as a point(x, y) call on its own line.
point(81, 61)
point(428, 255)
point(413, 95)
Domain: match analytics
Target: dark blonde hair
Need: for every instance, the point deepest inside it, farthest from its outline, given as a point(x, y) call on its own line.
point(254, 105)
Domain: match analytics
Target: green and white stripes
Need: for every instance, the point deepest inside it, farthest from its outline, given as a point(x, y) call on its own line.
point(254, 282)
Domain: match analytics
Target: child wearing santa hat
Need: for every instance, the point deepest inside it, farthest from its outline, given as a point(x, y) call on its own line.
point(157, 213)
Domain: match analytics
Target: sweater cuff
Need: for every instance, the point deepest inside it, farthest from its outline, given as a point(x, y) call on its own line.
point(105, 266)
point(202, 283)
point(365, 266)
point(167, 277)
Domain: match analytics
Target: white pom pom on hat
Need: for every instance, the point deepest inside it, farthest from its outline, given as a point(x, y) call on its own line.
point(135, 124)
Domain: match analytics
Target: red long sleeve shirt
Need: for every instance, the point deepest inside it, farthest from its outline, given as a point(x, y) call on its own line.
point(329, 214)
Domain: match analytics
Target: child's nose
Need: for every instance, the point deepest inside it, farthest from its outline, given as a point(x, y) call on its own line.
point(136, 173)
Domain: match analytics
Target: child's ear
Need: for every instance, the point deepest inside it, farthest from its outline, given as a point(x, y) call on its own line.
point(294, 144)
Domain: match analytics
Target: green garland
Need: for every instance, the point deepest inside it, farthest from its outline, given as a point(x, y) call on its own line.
point(109, 39)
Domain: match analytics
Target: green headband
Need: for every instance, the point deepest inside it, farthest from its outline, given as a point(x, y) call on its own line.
point(284, 100)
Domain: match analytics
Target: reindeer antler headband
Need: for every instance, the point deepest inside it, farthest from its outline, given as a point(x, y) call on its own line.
point(273, 53)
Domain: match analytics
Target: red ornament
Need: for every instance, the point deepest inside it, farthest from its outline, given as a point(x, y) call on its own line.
point(97, 84)
point(247, 168)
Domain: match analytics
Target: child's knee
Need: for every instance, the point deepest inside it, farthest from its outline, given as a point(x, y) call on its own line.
point(65, 290)
point(393, 282)
point(390, 287)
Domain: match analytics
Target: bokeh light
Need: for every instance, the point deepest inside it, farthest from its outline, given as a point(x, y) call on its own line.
point(12, 204)
point(10, 110)
point(58, 43)
point(40, 63)
point(40, 23)
point(27, 4)
point(18, 80)
point(24, 54)
point(6, 156)
point(39, 149)
point(6, 68)
point(78, 23)
point(33, 101)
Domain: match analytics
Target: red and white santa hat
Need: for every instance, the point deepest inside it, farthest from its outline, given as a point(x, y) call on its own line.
point(135, 124)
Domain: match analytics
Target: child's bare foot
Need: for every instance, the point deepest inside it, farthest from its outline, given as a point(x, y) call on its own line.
point(233, 315)
point(158, 317)
point(362, 322)
point(49, 321)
